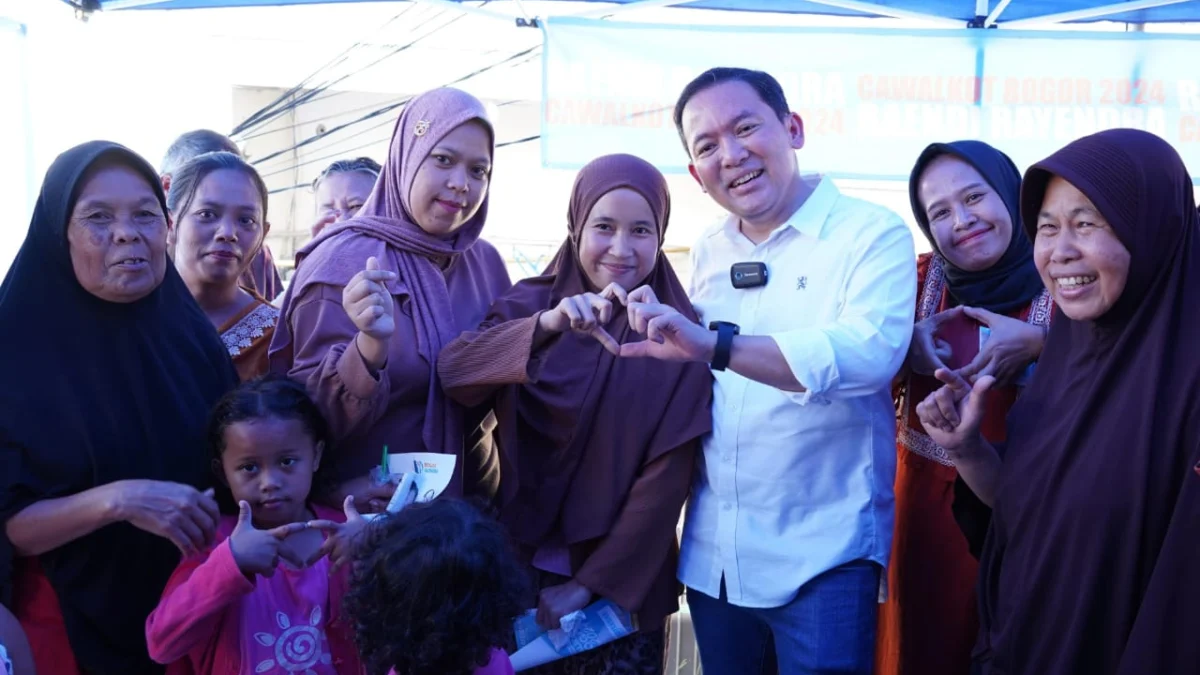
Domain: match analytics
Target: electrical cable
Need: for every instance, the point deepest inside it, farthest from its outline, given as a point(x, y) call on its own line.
point(336, 60)
point(270, 111)
point(388, 108)
point(297, 186)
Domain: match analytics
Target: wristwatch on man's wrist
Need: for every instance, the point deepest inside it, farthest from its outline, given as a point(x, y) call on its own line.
point(725, 332)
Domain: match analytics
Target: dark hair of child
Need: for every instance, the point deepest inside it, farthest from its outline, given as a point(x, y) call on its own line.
point(266, 397)
point(435, 589)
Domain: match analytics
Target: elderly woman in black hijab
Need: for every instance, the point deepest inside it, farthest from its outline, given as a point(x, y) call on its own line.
point(111, 369)
point(1091, 562)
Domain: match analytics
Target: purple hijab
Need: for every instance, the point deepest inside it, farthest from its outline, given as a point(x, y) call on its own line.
point(1092, 564)
point(385, 229)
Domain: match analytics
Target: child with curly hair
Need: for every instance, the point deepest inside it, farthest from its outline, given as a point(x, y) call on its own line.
point(435, 591)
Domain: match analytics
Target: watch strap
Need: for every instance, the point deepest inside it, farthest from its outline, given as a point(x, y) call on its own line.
point(721, 354)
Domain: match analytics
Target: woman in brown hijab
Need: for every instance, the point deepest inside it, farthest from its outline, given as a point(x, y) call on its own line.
point(596, 452)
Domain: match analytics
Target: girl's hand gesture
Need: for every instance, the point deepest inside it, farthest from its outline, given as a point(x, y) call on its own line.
point(259, 551)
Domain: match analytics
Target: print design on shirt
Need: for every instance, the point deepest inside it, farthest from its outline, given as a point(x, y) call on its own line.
point(298, 648)
point(250, 328)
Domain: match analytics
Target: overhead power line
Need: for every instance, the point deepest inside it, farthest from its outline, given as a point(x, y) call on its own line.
point(392, 106)
point(293, 98)
point(344, 153)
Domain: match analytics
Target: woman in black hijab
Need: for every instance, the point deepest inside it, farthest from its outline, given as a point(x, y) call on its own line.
point(980, 280)
point(111, 370)
point(1091, 562)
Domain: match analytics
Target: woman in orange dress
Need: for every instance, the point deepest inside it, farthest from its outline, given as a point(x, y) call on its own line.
point(218, 206)
point(981, 310)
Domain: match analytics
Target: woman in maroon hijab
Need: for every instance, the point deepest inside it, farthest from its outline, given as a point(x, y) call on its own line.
point(376, 297)
point(1091, 565)
point(596, 452)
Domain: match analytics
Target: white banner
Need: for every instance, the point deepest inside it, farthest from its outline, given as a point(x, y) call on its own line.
point(871, 99)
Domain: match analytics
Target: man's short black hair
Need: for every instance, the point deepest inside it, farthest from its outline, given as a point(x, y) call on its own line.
point(767, 87)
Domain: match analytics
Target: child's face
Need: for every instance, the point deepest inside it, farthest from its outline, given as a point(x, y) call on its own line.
point(269, 463)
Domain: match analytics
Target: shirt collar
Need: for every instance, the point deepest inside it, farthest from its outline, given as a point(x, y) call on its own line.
point(809, 219)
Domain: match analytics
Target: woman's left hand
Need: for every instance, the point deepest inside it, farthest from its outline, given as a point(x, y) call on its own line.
point(556, 602)
point(1009, 349)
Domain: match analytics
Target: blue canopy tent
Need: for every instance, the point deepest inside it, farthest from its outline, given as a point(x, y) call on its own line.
point(971, 13)
point(1139, 79)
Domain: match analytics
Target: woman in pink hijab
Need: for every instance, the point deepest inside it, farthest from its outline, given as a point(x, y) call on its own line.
point(376, 297)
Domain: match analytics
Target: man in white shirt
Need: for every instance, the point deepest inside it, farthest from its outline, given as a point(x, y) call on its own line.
point(806, 301)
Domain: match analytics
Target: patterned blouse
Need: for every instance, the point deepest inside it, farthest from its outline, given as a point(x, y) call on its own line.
point(248, 335)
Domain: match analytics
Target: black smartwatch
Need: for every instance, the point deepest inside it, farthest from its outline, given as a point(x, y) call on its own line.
point(725, 332)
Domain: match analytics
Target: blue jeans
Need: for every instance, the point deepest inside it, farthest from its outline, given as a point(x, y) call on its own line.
point(827, 629)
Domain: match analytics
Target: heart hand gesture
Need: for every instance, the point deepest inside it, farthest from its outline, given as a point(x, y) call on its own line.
point(928, 352)
point(343, 537)
point(259, 551)
point(368, 302)
point(586, 313)
point(670, 336)
point(1009, 349)
point(952, 414)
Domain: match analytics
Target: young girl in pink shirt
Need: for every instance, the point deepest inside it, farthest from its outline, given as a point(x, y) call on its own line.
point(266, 598)
point(435, 589)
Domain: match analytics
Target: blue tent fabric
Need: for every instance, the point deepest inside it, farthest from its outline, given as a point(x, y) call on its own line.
point(963, 10)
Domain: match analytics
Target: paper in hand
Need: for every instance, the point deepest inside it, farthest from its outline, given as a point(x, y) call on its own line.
point(597, 624)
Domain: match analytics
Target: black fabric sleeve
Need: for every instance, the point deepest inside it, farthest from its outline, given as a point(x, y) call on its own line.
point(972, 515)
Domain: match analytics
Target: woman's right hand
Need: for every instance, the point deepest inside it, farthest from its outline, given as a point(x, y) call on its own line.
point(370, 306)
point(952, 414)
point(181, 513)
point(927, 352)
point(586, 313)
point(368, 302)
point(369, 496)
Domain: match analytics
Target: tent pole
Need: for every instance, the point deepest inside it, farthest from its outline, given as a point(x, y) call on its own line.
point(981, 12)
point(892, 12)
point(991, 19)
point(1093, 12)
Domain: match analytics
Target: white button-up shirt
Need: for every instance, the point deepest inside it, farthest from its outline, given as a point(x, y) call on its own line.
point(794, 484)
